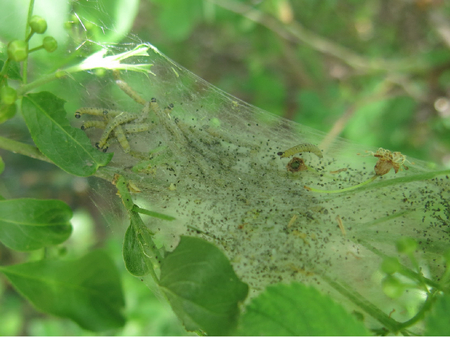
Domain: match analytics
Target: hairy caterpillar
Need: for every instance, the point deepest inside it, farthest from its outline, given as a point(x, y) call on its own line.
point(305, 147)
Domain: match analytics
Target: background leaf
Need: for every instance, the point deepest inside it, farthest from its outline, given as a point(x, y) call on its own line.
point(437, 322)
point(294, 310)
point(29, 224)
point(202, 287)
point(87, 290)
point(66, 146)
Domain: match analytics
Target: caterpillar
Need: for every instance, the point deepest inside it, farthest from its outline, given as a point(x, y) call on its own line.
point(305, 147)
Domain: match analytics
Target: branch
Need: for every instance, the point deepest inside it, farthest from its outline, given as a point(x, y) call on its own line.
point(21, 148)
point(295, 32)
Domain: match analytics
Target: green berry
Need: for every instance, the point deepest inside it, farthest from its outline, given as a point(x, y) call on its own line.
point(392, 287)
point(49, 44)
point(406, 246)
point(390, 265)
point(18, 50)
point(8, 95)
point(38, 24)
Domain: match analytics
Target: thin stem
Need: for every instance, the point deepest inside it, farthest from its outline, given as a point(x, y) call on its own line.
point(41, 81)
point(312, 189)
point(419, 316)
point(21, 148)
point(105, 173)
point(405, 271)
point(36, 48)
point(30, 13)
point(137, 209)
point(27, 37)
point(4, 69)
point(416, 266)
point(368, 307)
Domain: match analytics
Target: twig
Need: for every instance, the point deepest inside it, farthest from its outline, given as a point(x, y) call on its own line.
point(21, 148)
point(297, 33)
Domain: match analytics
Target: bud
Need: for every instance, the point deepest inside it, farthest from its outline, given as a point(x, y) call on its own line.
point(7, 112)
point(406, 245)
point(38, 24)
point(390, 265)
point(8, 95)
point(18, 50)
point(49, 44)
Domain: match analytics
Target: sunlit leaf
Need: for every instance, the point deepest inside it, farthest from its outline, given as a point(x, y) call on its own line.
point(29, 224)
point(296, 310)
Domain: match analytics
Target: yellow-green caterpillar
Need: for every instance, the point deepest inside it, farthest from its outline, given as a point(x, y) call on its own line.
point(305, 147)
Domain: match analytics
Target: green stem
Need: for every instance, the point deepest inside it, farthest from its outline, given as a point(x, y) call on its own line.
point(35, 49)
point(30, 13)
point(312, 189)
point(421, 278)
point(21, 148)
point(419, 316)
point(41, 81)
point(153, 214)
point(368, 307)
point(405, 271)
point(105, 173)
point(27, 37)
point(4, 69)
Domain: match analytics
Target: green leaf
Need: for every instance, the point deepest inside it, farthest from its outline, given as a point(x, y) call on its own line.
point(202, 287)
point(295, 309)
point(437, 323)
point(140, 253)
point(87, 291)
point(66, 146)
point(133, 253)
point(29, 224)
point(2, 165)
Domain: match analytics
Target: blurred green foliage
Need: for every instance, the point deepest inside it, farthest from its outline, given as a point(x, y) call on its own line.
point(293, 62)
